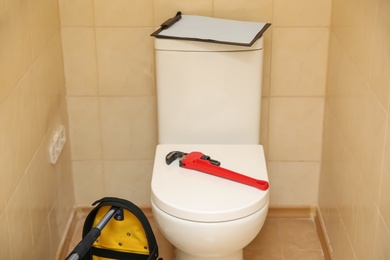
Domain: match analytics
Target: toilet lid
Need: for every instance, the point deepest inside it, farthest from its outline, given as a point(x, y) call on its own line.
point(197, 196)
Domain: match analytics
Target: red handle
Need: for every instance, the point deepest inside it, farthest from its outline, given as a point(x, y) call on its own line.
point(193, 161)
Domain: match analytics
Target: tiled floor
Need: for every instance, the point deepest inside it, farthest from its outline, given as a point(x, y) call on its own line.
point(279, 239)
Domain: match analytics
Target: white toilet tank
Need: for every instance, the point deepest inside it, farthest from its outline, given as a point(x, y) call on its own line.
point(208, 93)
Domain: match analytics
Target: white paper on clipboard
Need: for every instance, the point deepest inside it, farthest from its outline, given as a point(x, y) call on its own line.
point(202, 28)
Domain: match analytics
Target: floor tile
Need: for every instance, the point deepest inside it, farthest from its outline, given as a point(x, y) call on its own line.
point(303, 255)
point(298, 234)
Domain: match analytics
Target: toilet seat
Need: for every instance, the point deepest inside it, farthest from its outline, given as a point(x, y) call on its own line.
point(197, 196)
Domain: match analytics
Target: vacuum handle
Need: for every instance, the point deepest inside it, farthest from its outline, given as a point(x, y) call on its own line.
point(86, 243)
point(82, 248)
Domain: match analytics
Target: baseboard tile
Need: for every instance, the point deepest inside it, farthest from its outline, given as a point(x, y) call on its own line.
point(322, 236)
point(290, 212)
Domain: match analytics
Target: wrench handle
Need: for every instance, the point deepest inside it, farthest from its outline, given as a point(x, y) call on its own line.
point(193, 161)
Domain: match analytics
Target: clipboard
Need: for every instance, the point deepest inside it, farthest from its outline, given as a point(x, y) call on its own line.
point(210, 29)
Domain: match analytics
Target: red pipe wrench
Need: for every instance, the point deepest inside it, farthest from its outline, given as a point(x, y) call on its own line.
point(203, 163)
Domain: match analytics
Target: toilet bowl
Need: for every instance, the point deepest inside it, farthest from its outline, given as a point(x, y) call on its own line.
point(207, 217)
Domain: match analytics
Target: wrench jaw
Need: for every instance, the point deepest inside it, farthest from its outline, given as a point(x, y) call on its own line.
point(172, 156)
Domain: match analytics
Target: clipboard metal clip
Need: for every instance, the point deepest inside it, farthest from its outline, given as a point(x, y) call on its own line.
point(168, 23)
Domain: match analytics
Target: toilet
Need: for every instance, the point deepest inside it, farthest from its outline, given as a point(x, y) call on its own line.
point(208, 101)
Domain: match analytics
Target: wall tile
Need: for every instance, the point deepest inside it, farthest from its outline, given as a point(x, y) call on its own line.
point(84, 128)
point(80, 61)
point(341, 172)
point(164, 9)
point(5, 252)
point(382, 241)
point(129, 130)
point(267, 56)
point(65, 181)
point(19, 131)
point(27, 120)
point(125, 61)
point(302, 13)
point(380, 63)
point(44, 22)
point(350, 21)
point(88, 177)
point(76, 12)
point(384, 205)
point(43, 249)
point(366, 224)
point(19, 39)
point(55, 233)
point(264, 124)
point(373, 144)
point(347, 177)
point(59, 218)
point(346, 94)
point(331, 152)
point(249, 10)
point(295, 129)
point(341, 245)
point(2, 195)
point(64, 193)
point(129, 180)
point(299, 58)
point(136, 13)
point(293, 183)
point(10, 170)
point(7, 76)
point(38, 195)
point(19, 222)
point(48, 80)
point(325, 195)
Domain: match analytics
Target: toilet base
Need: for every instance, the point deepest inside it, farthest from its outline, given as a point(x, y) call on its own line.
point(180, 255)
point(209, 240)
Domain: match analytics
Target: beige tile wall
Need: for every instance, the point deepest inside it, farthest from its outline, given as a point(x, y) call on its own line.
point(36, 198)
point(111, 95)
point(355, 173)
